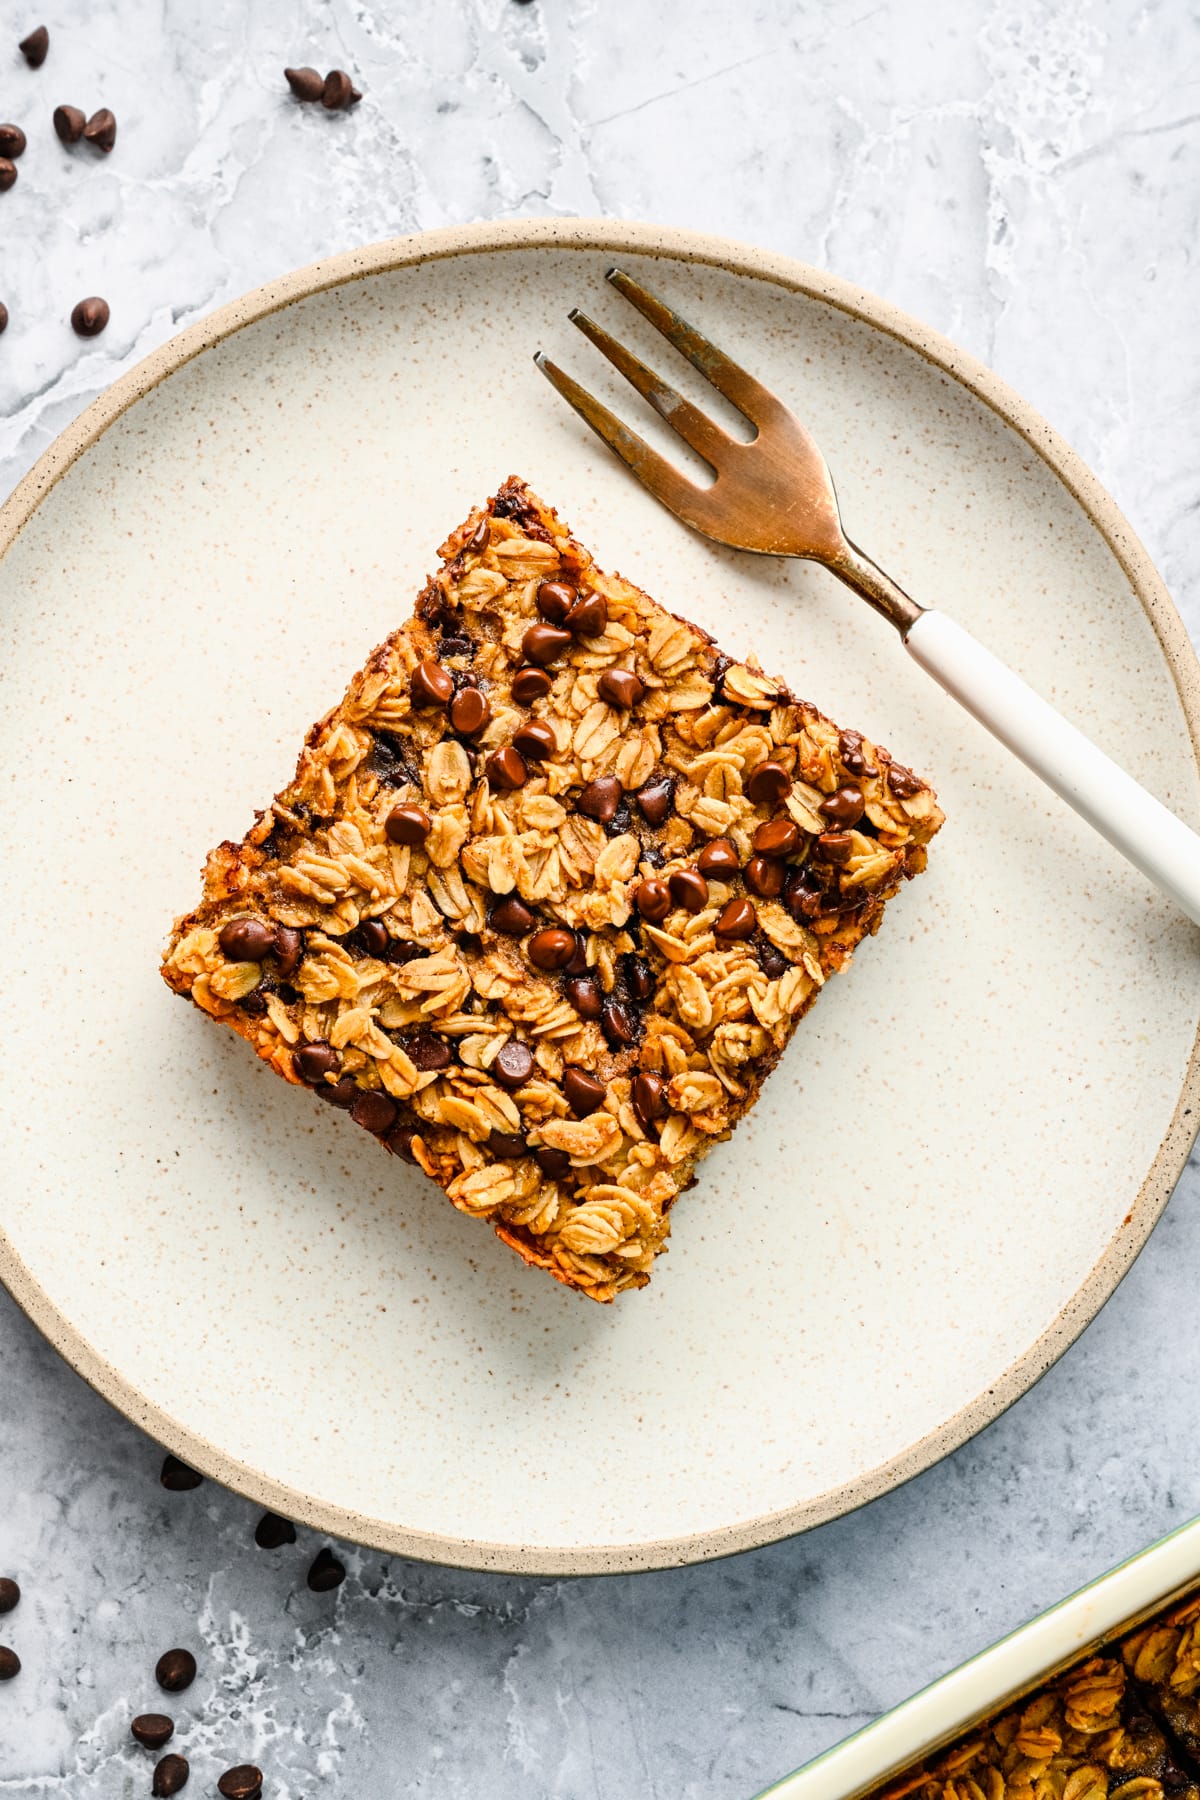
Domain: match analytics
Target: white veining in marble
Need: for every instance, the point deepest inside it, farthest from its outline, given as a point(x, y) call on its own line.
point(1021, 174)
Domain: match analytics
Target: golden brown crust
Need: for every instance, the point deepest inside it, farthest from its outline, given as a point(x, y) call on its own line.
point(436, 1025)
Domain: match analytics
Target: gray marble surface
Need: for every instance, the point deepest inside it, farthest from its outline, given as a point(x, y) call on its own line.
point(1022, 174)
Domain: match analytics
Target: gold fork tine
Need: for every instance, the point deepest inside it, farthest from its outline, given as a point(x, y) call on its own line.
point(693, 426)
point(654, 471)
point(752, 399)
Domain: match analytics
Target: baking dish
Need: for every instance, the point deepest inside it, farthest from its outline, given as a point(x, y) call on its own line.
point(978, 1689)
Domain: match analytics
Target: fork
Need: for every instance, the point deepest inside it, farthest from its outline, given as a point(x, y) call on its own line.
point(775, 495)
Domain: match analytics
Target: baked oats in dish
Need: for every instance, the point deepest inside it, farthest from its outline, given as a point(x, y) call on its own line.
point(1086, 1736)
point(548, 894)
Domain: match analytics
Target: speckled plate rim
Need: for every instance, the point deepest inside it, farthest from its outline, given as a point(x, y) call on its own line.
point(997, 1677)
point(617, 237)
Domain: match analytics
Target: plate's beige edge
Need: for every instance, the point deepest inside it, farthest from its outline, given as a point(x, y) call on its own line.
point(617, 237)
point(996, 1678)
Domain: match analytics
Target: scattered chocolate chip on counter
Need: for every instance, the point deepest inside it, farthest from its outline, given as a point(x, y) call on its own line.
point(3, 316)
point(90, 316)
point(305, 83)
point(10, 1663)
point(176, 1475)
point(338, 91)
point(153, 1730)
point(272, 1532)
point(325, 1573)
point(10, 1594)
point(170, 1775)
point(34, 47)
point(243, 1783)
point(8, 174)
point(69, 123)
point(101, 130)
point(12, 141)
point(175, 1670)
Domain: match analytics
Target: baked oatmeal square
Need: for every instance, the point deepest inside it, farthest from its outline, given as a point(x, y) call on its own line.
point(549, 892)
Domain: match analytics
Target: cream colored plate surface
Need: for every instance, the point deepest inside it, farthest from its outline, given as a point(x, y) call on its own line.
point(966, 1143)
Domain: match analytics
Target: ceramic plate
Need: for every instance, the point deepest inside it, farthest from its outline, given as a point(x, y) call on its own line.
point(965, 1145)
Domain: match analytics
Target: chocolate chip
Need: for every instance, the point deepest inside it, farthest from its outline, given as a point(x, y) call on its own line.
point(902, 781)
point(245, 1781)
point(431, 684)
point(640, 977)
point(177, 1477)
point(68, 124)
point(844, 808)
point(588, 616)
point(34, 47)
point(338, 90)
point(552, 1163)
point(428, 1052)
point(505, 769)
point(600, 799)
point(652, 898)
point(305, 83)
point(689, 889)
point(12, 141)
point(479, 539)
point(89, 317)
point(374, 1111)
point(535, 741)
point(407, 825)
point(543, 643)
point(738, 920)
point(175, 1670)
point(246, 940)
point(854, 757)
point(778, 837)
point(457, 644)
point(511, 916)
point(718, 858)
point(584, 993)
point(654, 800)
point(583, 1091)
point(654, 855)
point(153, 1729)
point(507, 1145)
point(768, 784)
point(620, 687)
point(578, 964)
point(771, 961)
point(170, 1776)
point(10, 1663)
point(312, 1062)
point(3, 317)
point(469, 712)
point(836, 847)
point(8, 174)
point(513, 1064)
point(373, 935)
point(289, 949)
point(763, 876)
point(325, 1571)
point(555, 600)
point(101, 130)
point(272, 1532)
point(802, 893)
point(648, 1093)
point(10, 1593)
point(341, 1094)
point(529, 685)
point(617, 1024)
point(400, 1142)
point(552, 948)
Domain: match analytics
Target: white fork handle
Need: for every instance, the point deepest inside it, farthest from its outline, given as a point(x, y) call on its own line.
point(1137, 824)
